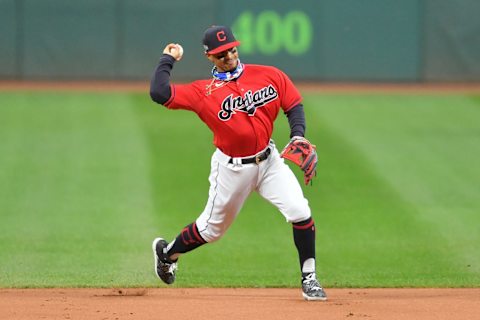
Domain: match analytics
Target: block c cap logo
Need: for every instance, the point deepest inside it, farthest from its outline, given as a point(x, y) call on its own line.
point(221, 36)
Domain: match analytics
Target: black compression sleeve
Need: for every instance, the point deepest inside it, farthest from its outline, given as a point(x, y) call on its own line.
point(296, 120)
point(160, 84)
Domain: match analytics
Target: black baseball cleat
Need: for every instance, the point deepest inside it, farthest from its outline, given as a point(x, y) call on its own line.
point(165, 268)
point(312, 289)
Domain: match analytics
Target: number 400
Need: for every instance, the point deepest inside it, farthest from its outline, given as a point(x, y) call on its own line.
point(268, 33)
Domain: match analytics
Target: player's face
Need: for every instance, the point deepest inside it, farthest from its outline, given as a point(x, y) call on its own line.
point(226, 60)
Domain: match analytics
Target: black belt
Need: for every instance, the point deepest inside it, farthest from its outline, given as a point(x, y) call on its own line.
point(256, 159)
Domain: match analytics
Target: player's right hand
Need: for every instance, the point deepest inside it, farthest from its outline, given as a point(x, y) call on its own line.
point(175, 50)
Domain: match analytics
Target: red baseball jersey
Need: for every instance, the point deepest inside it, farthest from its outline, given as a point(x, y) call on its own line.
point(240, 113)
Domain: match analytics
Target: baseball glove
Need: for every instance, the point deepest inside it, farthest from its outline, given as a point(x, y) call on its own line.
point(301, 152)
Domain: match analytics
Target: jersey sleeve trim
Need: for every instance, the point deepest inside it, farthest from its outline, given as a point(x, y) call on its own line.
point(297, 102)
point(172, 96)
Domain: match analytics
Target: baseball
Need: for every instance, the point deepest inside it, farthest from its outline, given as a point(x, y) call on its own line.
point(180, 51)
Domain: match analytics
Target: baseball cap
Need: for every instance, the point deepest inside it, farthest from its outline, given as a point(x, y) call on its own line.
point(219, 38)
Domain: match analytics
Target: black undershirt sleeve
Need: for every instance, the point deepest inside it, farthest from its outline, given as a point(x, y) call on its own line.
point(296, 120)
point(160, 84)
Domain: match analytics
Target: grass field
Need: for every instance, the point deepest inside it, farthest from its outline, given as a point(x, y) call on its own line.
point(88, 180)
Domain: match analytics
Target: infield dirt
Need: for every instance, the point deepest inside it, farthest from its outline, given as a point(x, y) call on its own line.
point(233, 304)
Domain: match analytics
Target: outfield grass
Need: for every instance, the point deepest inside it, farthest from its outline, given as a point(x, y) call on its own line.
point(88, 180)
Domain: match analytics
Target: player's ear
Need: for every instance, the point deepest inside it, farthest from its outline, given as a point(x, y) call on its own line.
point(209, 57)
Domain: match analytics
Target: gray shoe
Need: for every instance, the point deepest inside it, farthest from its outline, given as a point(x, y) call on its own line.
point(164, 267)
point(312, 289)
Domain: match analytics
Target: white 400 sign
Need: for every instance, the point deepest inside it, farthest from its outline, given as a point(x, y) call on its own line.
point(269, 33)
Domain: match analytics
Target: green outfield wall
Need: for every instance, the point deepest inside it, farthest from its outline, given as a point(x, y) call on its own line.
point(324, 40)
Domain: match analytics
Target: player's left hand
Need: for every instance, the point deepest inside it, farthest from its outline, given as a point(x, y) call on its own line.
point(301, 152)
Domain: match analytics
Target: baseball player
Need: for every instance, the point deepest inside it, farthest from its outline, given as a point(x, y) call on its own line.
point(239, 104)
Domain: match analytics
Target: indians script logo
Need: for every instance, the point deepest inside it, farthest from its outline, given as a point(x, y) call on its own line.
point(248, 103)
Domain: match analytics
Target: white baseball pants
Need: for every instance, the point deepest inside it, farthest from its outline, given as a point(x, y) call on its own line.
point(231, 184)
